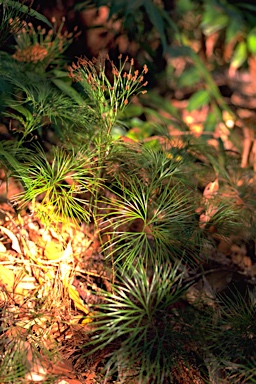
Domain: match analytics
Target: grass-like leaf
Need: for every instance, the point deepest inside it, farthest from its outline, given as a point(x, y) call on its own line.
point(64, 184)
point(138, 318)
point(232, 337)
point(161, 211)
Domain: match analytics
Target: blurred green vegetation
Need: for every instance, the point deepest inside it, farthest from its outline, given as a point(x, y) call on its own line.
point(186, 45)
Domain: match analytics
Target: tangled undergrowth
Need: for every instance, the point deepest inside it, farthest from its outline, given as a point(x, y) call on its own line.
point(122, 261)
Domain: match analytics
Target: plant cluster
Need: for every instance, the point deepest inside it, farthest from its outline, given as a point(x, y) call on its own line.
point(155, 205)
point(12, 14)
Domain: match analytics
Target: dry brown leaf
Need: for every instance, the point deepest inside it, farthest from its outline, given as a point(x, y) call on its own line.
point(2, 247)
point(15, 242)
point(63, 256)
point(209, 193)
point(69, 381)
point(37, 372)
point(203, 220)
point(33, 250)
point(74, 295)
point(219, 280)
point(239, 257)
point(204, 291)
point(7, 278)
point(206, 217)
point(53, 250)
point(27, 283)
point(252, 271)
point(63, 367)
point(211, 189)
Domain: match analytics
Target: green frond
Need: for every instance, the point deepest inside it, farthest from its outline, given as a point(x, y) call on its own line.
point(9, 156)
point(164, 216)
point(231, 338)
point(40, 103)
point(64, 185)
point(153, 164)
point(138, 318)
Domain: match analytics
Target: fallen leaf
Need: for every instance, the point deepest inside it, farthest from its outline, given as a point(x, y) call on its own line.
point(239, 257)
point(219, 280)
point(62, 367)
point(15, 242)
point(53, 250)
point(2, 247)
point(7, 278)
point(206, 217)
point(211, 189)
point(63, 255)
point(74, 295)
point(27, 283)
point(69, 381)
point(37, 372)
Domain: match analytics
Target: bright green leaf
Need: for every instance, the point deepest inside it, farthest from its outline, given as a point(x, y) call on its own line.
point(215, 25)
point(19, 108)
point(58, 73)
point(251, 41)
point(140, 133)
point(210, 123)
point(189, 77)
point(240, 55)
point(213, 20)
point(198, 99)
point(68, 90)
point(133, 110)
point(118, 131)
